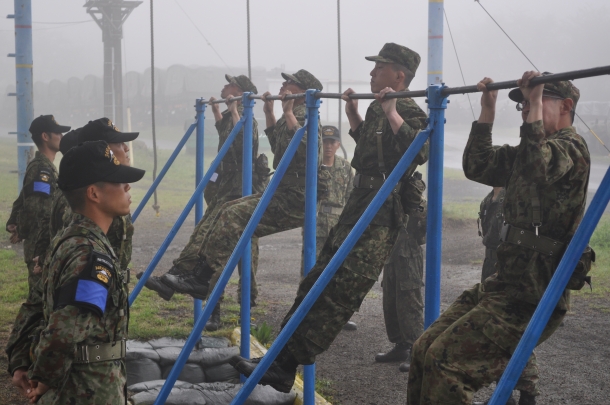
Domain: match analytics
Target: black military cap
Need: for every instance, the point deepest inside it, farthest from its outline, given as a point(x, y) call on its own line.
point(330, 132)
point(243, 82)
point(69, 140)
point(103, 129)
point(47, 123)
point(92, 162)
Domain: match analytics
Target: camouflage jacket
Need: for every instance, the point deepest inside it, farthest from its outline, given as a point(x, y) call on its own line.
point(394, 146)
point(339, 189)
point(31, 210)
point(85, 303)
point(229, 179)
point(558, 165)
point(280, 136)
point(491, 219)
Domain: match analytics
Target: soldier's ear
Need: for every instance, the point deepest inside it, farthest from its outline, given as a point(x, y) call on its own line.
point(45, 136)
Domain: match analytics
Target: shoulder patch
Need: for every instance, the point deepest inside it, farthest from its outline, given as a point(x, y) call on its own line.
point(101, 268)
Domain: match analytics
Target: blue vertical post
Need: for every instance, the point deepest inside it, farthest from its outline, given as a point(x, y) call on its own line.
point(25, 93)
point(437, 105)
point(199, 153)
point(246, 258)
point(553, 292)
point(435, 164)
point(309, 227)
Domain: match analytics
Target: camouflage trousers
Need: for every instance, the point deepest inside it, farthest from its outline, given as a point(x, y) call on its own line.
point(189, 257)
point(403, 308)
point(286, 211)
point(489, 265)
point(344, 293)
point(319, 246)
point(469, 346)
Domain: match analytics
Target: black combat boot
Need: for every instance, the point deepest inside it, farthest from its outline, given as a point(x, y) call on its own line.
point(527, 399)
point(214, 321)
point(154, 283)
point(400, 352)
point(350, 326)
point(195, 284)
point(280, 375)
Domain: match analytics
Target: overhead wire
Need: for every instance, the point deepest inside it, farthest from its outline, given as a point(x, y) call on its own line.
point(532, 63)
point(458, 61)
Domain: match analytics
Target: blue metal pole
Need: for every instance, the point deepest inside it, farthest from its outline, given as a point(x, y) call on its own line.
point(309, 227)
point(437, 105)
point(332, 266)
point(166, 167)
point(435, 41)
point(25, 92)
point(187, 209)
point(246, 258)
point(199, 164)
point(552, 294)
point(228, 270)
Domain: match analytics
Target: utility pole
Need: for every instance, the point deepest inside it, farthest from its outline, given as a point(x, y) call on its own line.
point(110, 15)
point(24, 89)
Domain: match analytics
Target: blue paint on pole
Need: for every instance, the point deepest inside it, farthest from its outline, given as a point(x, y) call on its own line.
point(187, 209)
point(246, 258)
point(332, 266)
point(199, 164)
point(437, 105)
point(162, 173)
point(309, 227)
point(552, 294)
point(24, 80)
point(435, 42)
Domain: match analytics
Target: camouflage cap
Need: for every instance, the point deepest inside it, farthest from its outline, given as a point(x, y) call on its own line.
point(243, 82)
point(304, 79)
point(330, 132)
point(401, 55)
point(563, 89)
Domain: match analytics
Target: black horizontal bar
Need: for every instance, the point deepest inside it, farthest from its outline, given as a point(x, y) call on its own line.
point(572, 75)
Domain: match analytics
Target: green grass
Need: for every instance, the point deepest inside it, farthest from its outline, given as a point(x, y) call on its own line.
point(13, 289)
point(600, 271)
point(461, 210)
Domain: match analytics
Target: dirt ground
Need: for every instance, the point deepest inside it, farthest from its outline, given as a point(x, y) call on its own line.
point(574, 362)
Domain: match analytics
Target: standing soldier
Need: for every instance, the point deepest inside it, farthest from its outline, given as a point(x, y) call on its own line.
point(490, 223)
point(80, 354)
point(227, 186)
point(32, 208)
point(403, 307)
point(389, 128)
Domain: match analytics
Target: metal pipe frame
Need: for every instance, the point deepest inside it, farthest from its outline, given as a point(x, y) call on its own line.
point(199, 165)
point(552, 294)
point(230, 266)
point(187, 209)
point(162, 173)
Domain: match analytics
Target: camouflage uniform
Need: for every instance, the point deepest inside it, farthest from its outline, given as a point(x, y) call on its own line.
point(227, 188)
point(330, 207)
point(362, 266)
point(31, 210)
point(490, 220)
point(469, 346)
point(285, 211)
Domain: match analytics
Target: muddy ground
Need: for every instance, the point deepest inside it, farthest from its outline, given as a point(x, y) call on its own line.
point(574, 363)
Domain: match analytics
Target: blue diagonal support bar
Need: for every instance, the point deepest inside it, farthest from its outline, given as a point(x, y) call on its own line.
point(333, 265)
point(228, 270)
point(187, 209)
point(162, 173)
point(552, 294)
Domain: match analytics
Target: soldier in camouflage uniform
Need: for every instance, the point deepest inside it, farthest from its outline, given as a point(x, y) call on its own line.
point(403, 272)
point(119, 234)
point(546, 179)
point(287, 207)
point(490, 223)
point(388, 129)
point(79, 357)
point(31, 210)
point(227, 187)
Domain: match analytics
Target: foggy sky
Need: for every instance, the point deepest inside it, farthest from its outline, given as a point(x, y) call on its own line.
point(558, 35)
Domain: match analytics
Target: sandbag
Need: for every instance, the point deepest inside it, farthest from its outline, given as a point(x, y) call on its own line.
point(213, 357)
point(177, 396)
point(222, 372)
point(149, 385)
point(139, 353)
point(142, 370)
point(166, 342)
point(191, 373)
point(168, 355)
point(213, 342)
point(136, 344)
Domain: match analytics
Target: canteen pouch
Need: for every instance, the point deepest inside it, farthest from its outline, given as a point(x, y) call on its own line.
point(583, 267)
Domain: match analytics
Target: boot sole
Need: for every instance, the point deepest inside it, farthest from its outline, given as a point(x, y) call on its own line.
point(192, 294)
point(285, 388)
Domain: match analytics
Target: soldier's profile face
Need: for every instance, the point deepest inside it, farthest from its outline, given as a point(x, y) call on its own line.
point(291, 86)
point(382, 76)
point(115, 198)
point(121, 150)
point(53, 139)
point(229, 90)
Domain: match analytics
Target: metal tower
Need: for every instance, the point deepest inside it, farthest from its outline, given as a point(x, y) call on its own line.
point(110, 16)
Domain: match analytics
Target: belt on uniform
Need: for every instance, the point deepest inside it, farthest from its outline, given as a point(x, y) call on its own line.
point(372, 182)
point(328, 209)
point(100, 352)
point(293, 179)
point(528, 239)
